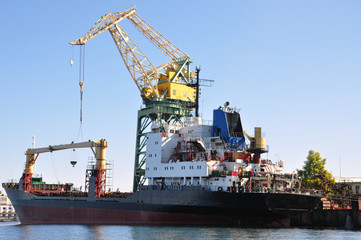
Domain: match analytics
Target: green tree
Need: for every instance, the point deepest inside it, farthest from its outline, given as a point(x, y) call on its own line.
point(314, 175)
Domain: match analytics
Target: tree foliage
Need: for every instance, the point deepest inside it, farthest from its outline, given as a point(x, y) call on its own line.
point(314, 175)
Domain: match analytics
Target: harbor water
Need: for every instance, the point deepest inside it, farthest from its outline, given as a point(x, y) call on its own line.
point(14, 230)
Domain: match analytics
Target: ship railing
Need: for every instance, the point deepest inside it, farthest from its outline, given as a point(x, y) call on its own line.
point(12, 185)
point(173, 188)
point(12, 181)
point(207, 122)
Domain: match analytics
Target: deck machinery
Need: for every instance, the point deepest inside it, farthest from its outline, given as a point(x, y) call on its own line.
point(98, 173)
point(166, 90)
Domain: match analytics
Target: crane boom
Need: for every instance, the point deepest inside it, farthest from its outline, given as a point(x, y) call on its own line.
point(104, 23)
point(249, 136)
point(180, 60)
point(144, 74)
point(33, 153)
point(166, 46)
point(89, 144)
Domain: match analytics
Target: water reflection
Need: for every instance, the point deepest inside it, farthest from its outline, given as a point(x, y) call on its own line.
point(195, 233)
point(25, 232)
point(96, 232)
point(80, 232)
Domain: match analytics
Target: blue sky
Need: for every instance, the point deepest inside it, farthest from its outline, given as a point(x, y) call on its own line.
point(292, 67)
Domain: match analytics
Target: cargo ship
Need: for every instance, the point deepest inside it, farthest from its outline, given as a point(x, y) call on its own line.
point(187, 171)
point(196, 173)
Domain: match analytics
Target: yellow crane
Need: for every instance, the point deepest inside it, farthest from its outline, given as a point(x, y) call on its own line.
point(167, 90)
point(99, 153)
point(257, 144)
point(151, 82)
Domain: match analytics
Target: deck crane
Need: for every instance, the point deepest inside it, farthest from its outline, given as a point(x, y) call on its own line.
point(98, 173)
point(257, 144)
point(166, 90)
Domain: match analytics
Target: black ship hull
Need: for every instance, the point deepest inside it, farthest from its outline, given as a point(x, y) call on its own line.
point(149, 206)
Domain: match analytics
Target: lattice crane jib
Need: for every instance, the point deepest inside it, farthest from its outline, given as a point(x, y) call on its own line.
point(145, 75)
point(180, 60)
point(167, 47)
point(139, 66)
point(103, 24)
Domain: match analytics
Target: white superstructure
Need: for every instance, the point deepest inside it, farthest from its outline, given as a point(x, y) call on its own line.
point(189, 155)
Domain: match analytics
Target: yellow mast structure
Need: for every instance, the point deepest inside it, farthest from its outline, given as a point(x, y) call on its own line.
point(99, 153)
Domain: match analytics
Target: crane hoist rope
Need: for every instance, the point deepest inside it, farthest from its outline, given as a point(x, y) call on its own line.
point(81, 79)
point(81, 83)
point(71, 56)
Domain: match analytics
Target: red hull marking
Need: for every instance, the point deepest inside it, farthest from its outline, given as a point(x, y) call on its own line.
point(63, 215)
